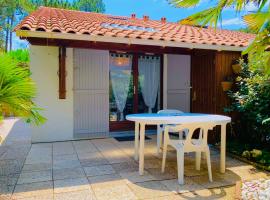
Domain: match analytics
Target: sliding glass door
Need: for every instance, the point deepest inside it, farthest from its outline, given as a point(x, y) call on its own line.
point(134, 87)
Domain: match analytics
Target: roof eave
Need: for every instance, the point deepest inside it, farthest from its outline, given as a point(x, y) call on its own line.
point(122, 40)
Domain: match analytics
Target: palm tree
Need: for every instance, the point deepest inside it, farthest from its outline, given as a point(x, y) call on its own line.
point(17, 91)
point(258, 22)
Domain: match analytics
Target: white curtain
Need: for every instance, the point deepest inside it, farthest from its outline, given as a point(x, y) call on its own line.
point(149, 76)
point(120, 72)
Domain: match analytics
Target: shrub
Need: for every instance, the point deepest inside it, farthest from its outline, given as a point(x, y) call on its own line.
point(251, 100)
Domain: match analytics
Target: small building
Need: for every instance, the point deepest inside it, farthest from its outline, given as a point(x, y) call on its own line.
point(92, 69)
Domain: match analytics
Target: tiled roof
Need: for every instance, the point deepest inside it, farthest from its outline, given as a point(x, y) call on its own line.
point(75, 22)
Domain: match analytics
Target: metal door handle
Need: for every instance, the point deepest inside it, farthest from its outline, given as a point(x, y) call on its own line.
point(194, 96)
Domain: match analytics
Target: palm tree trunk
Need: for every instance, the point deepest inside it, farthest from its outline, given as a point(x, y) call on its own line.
point(7, 35)
point(10, 31)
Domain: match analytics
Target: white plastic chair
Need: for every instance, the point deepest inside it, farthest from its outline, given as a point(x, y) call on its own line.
point(160, 128)
point(188, 145)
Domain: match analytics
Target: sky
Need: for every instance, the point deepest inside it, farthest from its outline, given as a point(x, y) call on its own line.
point(156, 9)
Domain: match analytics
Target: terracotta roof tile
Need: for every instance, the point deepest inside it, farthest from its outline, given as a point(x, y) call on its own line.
point(76, 22)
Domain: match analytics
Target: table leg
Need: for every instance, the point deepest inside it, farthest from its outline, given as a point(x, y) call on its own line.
point(159, 139)
point(136, 142)
point(141, 159)
point(223, 149)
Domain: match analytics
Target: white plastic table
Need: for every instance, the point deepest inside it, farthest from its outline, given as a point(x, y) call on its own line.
point(186, 118)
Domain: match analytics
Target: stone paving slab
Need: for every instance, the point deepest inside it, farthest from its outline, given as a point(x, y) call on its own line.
point(76, 195)
point(114, 192)
point(36, 167)
point(65, 157)
point(33, 189)
point(63, 148)
point(105, 179)
point(66, 164)
point(32, 177)
point(40, 197)
point(98, 170)
point(71, 185)
point(126, 167)
point(8, 167)
point(190, 185)
point(149, 189)
point(84, 146)
point(68, 173)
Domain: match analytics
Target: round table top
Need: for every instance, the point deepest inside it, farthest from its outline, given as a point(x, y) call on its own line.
point(183, 118)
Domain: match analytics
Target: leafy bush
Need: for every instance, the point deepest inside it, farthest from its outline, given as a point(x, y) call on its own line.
point(261, 157)
point(251, 101)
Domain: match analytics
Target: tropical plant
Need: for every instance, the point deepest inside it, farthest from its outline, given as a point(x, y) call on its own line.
point(17, 91)
point(258, 22)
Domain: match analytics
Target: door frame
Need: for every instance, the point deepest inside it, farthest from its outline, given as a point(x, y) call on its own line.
point(128, 125)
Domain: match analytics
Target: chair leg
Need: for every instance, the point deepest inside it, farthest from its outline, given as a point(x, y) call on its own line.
point(180, 166)
point(165, 146)
point(207, 153)
point(198, 160)
point(203, 157)
point(159, 139)
point(181, 135)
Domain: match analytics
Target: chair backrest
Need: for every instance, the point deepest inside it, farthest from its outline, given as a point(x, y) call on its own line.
point(201, 141)
point(170, 111)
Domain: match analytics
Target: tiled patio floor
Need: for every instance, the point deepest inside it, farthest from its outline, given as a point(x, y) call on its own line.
point(105, 169)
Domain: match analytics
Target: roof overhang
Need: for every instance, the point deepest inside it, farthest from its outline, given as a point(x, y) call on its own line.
point(123, 40)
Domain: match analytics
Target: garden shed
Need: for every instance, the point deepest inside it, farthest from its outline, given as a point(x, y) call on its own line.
point(92, 69)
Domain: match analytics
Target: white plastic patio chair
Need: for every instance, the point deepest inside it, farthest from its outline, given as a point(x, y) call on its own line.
point(160, 128)
point(188, 145)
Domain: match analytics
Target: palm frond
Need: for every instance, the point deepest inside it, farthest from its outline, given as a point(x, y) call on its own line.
point(262, 4)
point(210, 17)
point(184, 3)
point(17, 91)
point(257, 21)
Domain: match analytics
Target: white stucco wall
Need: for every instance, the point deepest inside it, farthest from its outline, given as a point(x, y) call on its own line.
point(59, 112)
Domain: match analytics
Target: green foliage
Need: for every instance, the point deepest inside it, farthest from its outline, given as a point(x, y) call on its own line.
point(52, 3)
point(251, 152)
point(10, 12)
point(252, 101)
point(259, 58)
point(20, 55)
point(246, 30)
point(17, 91)
point(82, 5)
point(184, 3)
point(90, 6)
